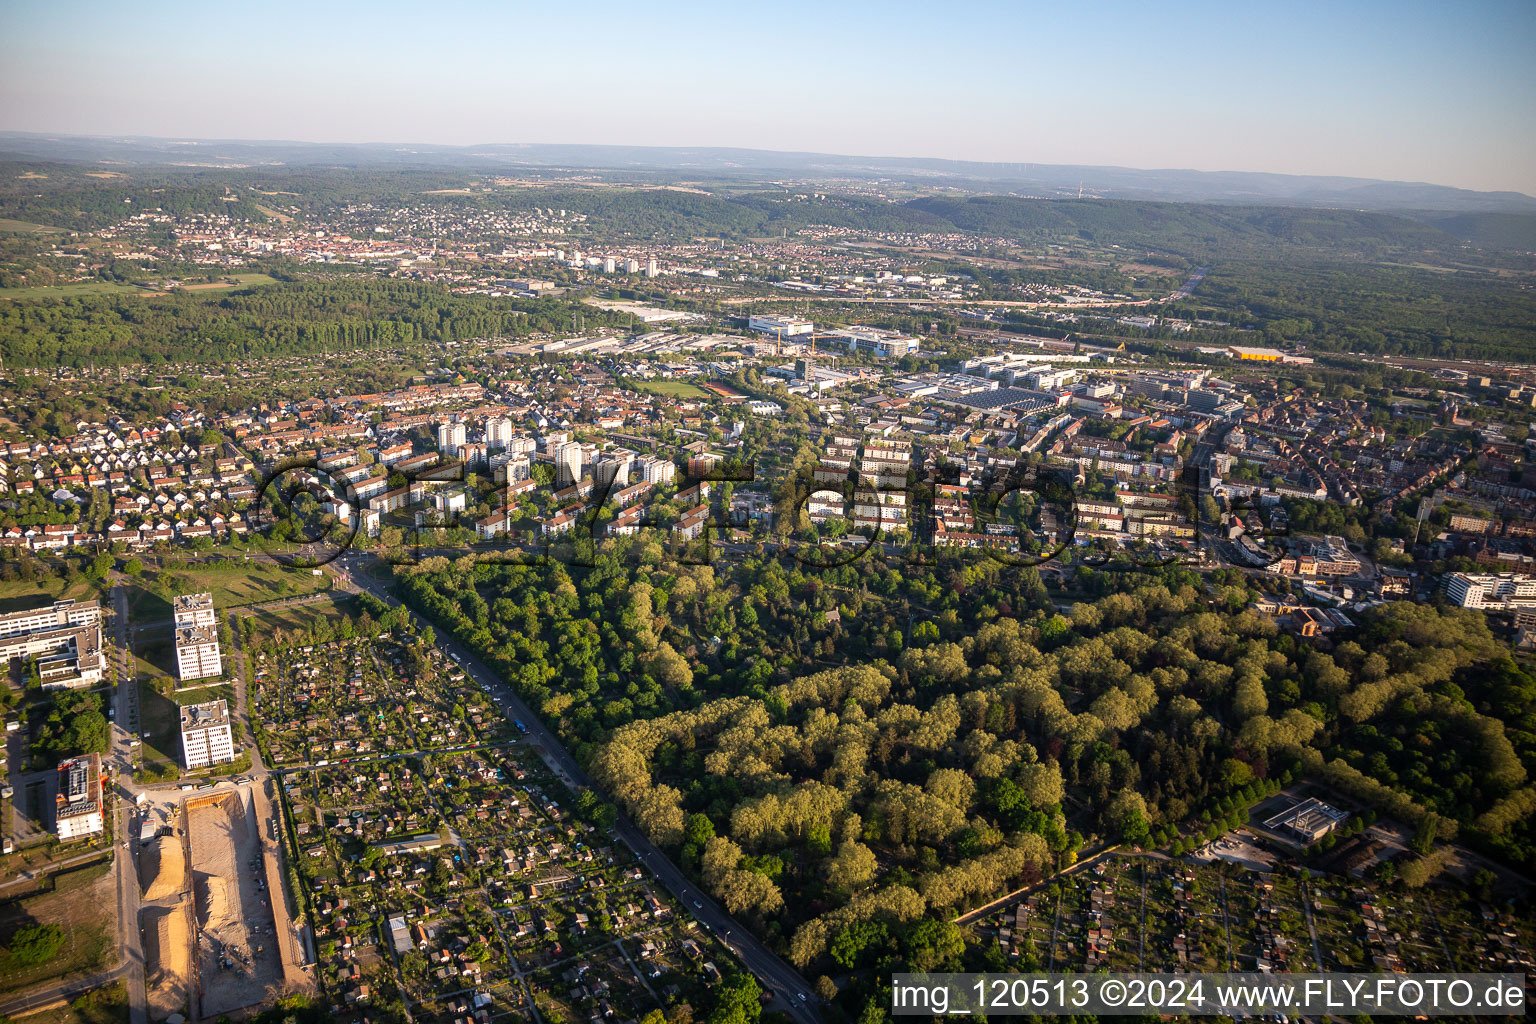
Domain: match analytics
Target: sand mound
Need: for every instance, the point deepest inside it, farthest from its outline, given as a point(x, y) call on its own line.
point(215, 905)
point(164, 863)
point(167, 957)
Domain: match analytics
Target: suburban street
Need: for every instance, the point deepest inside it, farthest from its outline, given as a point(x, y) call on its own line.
point(124, 732)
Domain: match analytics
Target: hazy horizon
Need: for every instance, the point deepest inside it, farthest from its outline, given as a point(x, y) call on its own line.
point(1394, 92)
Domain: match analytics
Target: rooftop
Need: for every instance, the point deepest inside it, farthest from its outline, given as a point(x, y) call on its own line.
point(204, 716)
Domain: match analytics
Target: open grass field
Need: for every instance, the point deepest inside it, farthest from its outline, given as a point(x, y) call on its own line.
point(160, 730)
point(65, 291)
point(22, 227)
point(302, 617)
point(239, 281)
point(82, 906)
point(231, 586)
point(671, 388)
point(16, 595)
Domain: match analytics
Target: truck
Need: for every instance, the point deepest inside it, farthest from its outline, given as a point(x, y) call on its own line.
point(520, 726)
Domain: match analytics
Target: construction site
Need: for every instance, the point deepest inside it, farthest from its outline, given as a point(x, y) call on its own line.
point(213, 940)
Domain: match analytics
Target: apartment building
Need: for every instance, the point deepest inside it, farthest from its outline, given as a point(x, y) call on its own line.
point(64, 638)
point(205, 735)
point(197, 637)
point(1497, 591)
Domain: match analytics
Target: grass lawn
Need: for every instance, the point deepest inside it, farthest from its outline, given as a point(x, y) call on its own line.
point(671, 388)
point(303, 616)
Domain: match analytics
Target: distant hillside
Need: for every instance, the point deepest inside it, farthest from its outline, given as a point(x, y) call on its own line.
point(68, 196)
point(1189, 229)
point(1491, 230)
point(717, 163)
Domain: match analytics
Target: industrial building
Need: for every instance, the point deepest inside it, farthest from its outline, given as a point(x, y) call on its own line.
point(781, 326)
point(871, 341)
point(1307, 821)
point(78, 806)
point(205, 735)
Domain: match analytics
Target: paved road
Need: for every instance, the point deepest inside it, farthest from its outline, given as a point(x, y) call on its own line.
point(36, 1001)
point(129, 940)
point(791, 993)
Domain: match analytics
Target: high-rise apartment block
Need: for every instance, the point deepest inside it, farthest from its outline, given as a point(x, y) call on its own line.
point(197, 637)
point(205, 735)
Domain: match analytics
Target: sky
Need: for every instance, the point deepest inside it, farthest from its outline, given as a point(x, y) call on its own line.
point(1400, 90)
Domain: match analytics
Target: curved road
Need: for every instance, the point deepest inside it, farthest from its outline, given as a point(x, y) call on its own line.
point(791, 993)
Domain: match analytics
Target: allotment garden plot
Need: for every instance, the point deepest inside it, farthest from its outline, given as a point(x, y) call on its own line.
point(363, 698)
point(1157, 913)
point(446, 867)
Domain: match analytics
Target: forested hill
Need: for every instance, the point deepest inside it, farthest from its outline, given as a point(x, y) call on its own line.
point(1196, 231)
point(1185, 228)
point(66, 197)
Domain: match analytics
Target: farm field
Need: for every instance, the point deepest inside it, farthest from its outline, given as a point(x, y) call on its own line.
point(65, 291)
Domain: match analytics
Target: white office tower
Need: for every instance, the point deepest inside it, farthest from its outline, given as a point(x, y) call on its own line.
point(567, 463)
point(631, 266)
point(196, 637)
point(650, 268)
point(498, 431)
point(608, 265)
point(205, 735)
point(450, 438)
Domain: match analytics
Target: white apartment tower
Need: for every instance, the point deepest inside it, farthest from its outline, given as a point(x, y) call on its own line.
point(205, 735)
point(450, 438)
point(498, 431)
point(196, 632)
point(567, 464)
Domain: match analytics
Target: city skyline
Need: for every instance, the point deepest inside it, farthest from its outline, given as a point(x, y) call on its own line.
point(1394, 93)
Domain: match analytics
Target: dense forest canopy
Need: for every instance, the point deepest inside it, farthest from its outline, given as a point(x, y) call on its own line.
point(883, 771)
point(301, 317)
